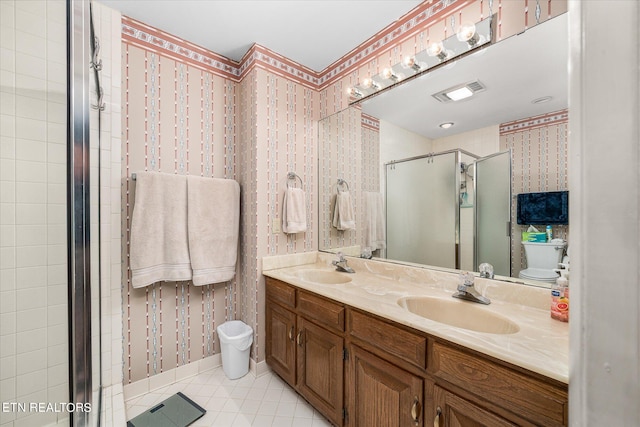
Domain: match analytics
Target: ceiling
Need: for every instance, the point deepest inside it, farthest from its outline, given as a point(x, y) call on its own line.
point(515, 71)
point(314, 33)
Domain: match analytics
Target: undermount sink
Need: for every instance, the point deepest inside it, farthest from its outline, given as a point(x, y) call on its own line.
point(324, 277)
point(461, 314)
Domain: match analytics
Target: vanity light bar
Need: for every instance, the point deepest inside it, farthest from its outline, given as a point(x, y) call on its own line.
point(470, 37)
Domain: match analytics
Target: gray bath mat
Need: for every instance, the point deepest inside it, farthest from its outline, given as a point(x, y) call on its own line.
point(176, 411)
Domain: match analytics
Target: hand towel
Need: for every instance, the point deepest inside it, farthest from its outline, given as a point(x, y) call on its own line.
point(343, 217)
point(294, 212)
point(374, 233)
point(159, 247)
point(214, 225)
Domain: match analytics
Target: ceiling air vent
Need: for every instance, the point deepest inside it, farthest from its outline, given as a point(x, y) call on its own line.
point(456, 93)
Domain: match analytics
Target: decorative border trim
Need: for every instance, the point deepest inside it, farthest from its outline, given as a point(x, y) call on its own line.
point(144, 36)
point(395, 33)
point(543, 120)
point(370, 122)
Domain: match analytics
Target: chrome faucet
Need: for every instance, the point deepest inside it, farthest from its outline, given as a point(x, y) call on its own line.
point(486, 270)
point(467, 292)
point(341, 264)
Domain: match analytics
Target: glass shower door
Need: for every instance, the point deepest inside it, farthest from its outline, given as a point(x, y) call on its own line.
point(422, 210)
point(493, 212)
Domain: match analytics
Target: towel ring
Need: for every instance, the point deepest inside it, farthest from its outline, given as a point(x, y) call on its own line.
point(291, 176)
point(342, 182)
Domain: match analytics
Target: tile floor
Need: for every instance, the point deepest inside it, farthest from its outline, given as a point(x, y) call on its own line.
point(247, 401)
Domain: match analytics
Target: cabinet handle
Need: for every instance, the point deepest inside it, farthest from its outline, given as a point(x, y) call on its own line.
point(436, 420)
point(416, 410)
point(291, 333)
point(299, 338)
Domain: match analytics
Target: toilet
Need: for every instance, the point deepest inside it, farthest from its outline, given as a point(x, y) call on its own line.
point(542, 259)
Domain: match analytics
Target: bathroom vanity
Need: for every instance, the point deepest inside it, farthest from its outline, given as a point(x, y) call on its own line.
point(361, 357)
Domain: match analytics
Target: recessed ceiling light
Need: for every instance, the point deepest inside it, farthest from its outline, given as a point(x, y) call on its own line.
point(446, 125)
point(458, 94)
point(542, 100)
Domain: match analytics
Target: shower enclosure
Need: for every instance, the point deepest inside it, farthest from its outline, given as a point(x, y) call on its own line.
point(450, 209)
point(49, 217)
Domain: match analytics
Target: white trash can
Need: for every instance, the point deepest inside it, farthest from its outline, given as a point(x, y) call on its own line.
point(236, 338)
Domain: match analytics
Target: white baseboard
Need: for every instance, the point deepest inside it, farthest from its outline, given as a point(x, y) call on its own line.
point(171, 376)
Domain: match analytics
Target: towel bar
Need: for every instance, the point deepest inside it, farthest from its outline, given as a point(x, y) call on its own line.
point(291, 176)
point(342, 182)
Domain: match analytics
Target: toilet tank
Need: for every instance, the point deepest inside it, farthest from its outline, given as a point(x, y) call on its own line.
point(543, 255)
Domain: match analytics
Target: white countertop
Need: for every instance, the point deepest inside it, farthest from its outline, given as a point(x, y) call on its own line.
point(541, 345)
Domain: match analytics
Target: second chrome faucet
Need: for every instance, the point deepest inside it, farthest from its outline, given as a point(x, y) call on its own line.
point(467, 291)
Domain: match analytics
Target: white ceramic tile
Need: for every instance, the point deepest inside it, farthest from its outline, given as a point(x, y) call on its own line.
point(7, 280)
point(31, 256)
point(7, 323)
point(31, 45)
point(31, 382)
point(57, 354)
point(29, 235)
point(31, 213)
point(31, 277)
point(7, 169)
point(7, 124)
point(30, 65)
point(56, 150)
point(7, 214)
point(7, 257)
point(28, 171)
point(31, 361)
point(7, 102)
point(33, 87)
point(32, 150)
point(31, 318)
point(7, 235)
point(7, 367)
point(57, 334)
point(7, 148)
point(8, 345)
point(31, 108)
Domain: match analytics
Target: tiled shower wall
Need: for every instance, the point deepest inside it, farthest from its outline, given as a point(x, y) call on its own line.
point(33, 255)
point(539, 163)
point(262, 118)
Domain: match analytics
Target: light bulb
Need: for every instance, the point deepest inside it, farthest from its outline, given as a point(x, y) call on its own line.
point(352, 91)
point(410, 62)
point(368, 83)
point(467, 33)
point(437, 49)
point(388, 74)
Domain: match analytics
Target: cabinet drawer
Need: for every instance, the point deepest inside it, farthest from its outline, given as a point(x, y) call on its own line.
point(281, 292)
point(321, 310)
point(390, 339)
point(540, 402)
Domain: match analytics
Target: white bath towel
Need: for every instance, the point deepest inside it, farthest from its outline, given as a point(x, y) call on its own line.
point(343, 217)
point(214, 225)
point(294, 211)
point(374, 233)
point(159, 243)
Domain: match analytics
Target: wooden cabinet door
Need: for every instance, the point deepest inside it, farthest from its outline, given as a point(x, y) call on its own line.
point(320, 369)
point(454, 411)
point(380, 394)
point(280, 345)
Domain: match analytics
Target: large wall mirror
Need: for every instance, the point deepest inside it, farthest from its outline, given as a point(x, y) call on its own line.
point(444, 197)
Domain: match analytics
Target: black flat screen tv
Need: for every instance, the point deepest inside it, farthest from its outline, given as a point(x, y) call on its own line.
point(545, 208)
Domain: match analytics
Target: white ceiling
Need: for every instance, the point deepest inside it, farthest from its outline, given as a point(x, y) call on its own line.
point(314, 33)
point(515, 71)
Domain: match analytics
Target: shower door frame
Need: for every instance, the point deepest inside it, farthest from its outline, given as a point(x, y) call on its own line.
point(458, 158)
point(79, 56)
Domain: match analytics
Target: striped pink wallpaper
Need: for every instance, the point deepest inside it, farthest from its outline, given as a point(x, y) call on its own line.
point(176, 119)
point(539, 163)
point(187, 110)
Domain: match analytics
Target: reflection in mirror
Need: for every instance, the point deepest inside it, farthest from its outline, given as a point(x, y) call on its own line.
point(361, 144)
